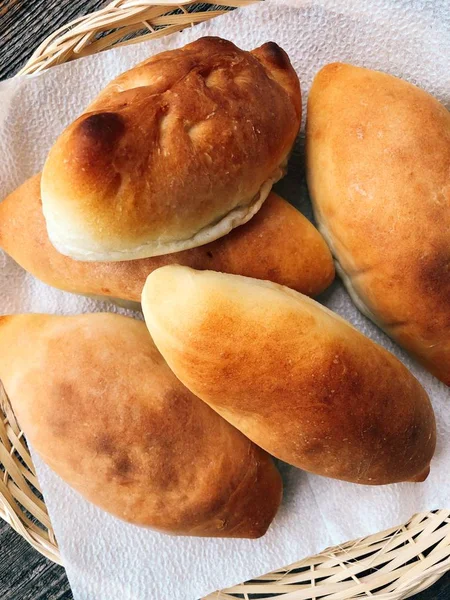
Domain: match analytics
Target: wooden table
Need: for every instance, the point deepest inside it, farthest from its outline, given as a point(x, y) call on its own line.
point(24, 573)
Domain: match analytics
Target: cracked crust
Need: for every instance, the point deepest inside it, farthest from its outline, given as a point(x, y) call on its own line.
point(378, 166)
point(172, 154)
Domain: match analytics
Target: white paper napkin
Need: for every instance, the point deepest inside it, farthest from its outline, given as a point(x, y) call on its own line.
point(105, 558)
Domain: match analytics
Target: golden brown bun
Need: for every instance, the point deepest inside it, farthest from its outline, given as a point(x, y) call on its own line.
point(379, 175)
point(174, 153)
point(295, 378)
point(99, 404)
point(279, 244)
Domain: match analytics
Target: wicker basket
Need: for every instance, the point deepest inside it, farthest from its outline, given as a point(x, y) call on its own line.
point(391, 565)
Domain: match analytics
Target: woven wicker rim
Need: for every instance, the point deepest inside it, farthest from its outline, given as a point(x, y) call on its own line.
point(391, 565)
point(114, 24)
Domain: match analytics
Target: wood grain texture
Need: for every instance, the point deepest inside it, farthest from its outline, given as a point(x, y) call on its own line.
point(24, 573)
point(27, 575)
point(24, 24)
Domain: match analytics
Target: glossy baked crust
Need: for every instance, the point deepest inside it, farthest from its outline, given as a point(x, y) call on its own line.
point(295, 378)
point(378, 163)
point(174, 153)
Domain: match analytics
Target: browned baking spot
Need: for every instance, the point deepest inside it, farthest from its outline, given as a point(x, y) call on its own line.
point(103, 444)
point(122, 466)
point(59, 424)
point(188, 153)
point(276, 55)
point(433, 272)
point(297, 380)
point(66, 391)
point(385, 209)
point(108, 415)
point(102, 128)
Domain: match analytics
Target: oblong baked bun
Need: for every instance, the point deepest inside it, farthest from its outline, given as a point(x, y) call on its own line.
point(279, 244)
point(101, 407)
point(295, 378)
point(174, 153)
point(378, 166)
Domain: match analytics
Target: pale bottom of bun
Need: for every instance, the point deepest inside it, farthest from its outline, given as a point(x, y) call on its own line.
point(365, 310)
point(356, 299)
point(238, 216)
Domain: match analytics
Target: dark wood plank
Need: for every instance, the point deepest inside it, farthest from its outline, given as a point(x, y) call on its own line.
point(24, 573)
point(24, 24)
point(27, 575)
point(439, 591)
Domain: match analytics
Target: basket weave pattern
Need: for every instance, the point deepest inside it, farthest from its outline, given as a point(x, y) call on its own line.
point(21, 503)
point(391, 565)
point(119, 21)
